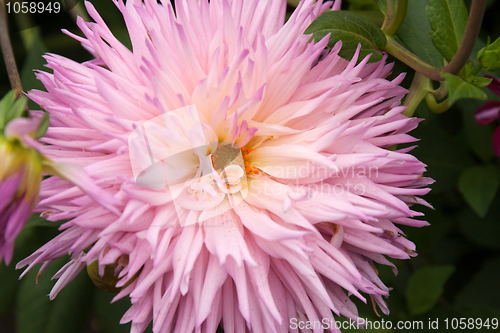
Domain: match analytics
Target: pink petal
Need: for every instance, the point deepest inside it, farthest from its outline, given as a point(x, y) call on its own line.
point(494, 86)
point(487, 113)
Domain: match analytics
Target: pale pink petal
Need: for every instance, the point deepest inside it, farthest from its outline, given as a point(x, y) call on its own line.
point(307, 195)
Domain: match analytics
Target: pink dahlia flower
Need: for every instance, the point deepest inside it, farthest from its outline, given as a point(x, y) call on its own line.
point(253, 180)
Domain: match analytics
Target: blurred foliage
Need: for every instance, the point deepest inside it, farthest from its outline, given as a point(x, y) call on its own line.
point(456, 273)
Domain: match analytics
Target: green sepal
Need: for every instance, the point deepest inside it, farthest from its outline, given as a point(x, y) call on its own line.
point(478, 81)
point(108, 281)
point(18, 109)
point(5, 105)
point(459, 88)
point(43, 126)
point(489, 56)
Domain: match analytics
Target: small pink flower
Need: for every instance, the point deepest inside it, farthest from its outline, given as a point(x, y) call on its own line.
point(253, 181)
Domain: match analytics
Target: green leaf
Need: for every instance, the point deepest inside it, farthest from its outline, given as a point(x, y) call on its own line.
point(17, 109)
point(32, 301)
point(352, 29)
point(10, 108)
point(448, 20)
point(5, 105)
point(458, 89)
point(8, 287)
point(36, 221)
point(44, 125)
point(28, 240)
point(446, 155)
point(425, 287)
point(70, 309)
point(483, 290)
point(478, 136)
point(382, 5)
point(108, 315)
point(362, 5)
point(33, 61)
point(484, 232)
point(67, 313)
point(7, 101)
point(33, 306)
point(479, 185)
point(414, 34)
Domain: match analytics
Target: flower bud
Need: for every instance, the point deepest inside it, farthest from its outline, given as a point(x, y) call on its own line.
point(20, 171)
point(107, 277)
point(489, 56)
point(20, 177)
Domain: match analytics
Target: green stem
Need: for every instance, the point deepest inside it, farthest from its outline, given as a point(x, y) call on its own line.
point(435, 106)
point(440, 92)
point(470, 36)
point(460, 58)
point(389, 14)
point(418, 90)
point(477, 69)
point(395, 21)
point(402, 54)
point(8, 54)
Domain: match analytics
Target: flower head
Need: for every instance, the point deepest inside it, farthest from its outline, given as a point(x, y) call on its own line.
point(250, 168)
